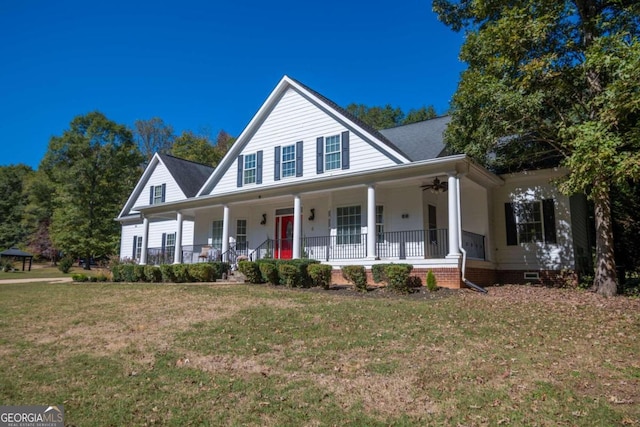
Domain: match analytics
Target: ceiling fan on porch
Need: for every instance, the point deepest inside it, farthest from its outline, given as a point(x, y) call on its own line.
point(436, 187)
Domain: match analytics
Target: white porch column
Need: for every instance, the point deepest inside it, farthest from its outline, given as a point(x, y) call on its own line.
point(452, 204)
point(371, 221)
point(225, 232)
point(297, 226)
point(177, 256)
point(145, 241)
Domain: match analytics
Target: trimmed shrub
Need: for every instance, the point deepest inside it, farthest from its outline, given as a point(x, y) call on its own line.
point(79, 277)
point(414, 282)
point(116, 273)
point(251, 271)
point(100, 277)
point(128, 273)
point(432, 283)
point(220, 268)
point(152, 274)
point(320, 275)
point(181, 273)
point(92, 279)
point(377, 271)
point(398, 277)
point(203, 272)
point(289, 275)
point(269, 273)
point(357, 275)
point(168, 274)
point(139, 274)
point(65, 264)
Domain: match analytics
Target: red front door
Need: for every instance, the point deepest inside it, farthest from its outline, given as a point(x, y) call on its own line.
point(284, 237)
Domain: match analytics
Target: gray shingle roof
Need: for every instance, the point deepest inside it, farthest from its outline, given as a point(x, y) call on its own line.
point(189, 175)
point(422, 140)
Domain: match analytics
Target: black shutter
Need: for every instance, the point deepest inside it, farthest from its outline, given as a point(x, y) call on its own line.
point(164, 192)
point(320, 155)
point(240, 166)
point(510, 221)
point(164, 242)
point(549, 218)
point(151, 195)
point(259, 167)
point(345, 150)
point(299, 158)
point(135, 241)
point(276, 164)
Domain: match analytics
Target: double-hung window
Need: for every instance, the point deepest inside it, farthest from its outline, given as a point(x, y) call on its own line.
point(170, 246)
point(216, 240)
point(137, 247)
point(332, 152)
point(530, 222)
point(241, 235)
point(288, 161)
point(250, 168)
point(349, 226)
point(157, 194)
point(380, 223)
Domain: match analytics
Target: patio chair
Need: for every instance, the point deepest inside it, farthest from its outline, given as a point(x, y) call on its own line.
point(204, 253)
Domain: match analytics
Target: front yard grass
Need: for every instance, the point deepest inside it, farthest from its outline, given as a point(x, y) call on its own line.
point(117, 354)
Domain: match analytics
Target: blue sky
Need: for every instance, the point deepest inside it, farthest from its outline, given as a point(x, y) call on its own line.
point(209, 65)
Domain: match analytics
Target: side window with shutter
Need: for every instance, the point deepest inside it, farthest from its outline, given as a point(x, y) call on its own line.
point(530, 222)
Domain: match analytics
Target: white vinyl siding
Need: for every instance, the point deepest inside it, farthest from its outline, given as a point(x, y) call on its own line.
point(159, 176)
point(294, 118)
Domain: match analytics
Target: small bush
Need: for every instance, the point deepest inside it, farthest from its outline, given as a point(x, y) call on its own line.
point(168, 274)
point(414, 282)
point(116, 272)
point(432, 283)
point(251, 271)
point(357, 275)
point(220, 268)
point(377, 271)
point(398, 277)
point(100, 277)
point(65, 264)
point(6, 265)
point(269, 273)
point(289, 275)
point(320, 275)
point(92, 279)
point(181, 273)
point(203, 272)
point(78, 277)
point(138, 273)
point(128, 273)
point(152, 274)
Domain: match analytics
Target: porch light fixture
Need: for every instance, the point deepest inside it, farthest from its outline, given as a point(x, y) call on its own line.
point(264, 219)
point(437, 186)
point(313, 214)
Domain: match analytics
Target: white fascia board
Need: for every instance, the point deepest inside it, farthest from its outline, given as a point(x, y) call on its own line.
point(140, 185)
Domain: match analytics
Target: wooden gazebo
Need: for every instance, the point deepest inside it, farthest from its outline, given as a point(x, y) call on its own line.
point(17, 253)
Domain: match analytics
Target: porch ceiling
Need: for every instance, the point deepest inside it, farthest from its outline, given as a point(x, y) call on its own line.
point(415, 172)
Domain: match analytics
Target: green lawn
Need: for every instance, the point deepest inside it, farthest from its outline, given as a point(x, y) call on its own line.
point(257, 355)
point(40, 271)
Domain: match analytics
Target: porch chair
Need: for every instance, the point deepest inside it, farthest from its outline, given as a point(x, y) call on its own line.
point(204, 253)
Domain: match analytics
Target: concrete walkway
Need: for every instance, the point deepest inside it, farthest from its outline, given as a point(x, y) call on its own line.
point(38, 279)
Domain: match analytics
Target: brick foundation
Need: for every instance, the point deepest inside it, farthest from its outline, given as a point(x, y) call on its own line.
point(445, 277)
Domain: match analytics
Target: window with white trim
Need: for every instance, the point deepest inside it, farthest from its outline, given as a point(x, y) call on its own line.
point(216, 235)
point(249, 169)
point(170, 246)
point(241, 235)
point(288, 161)
point(137, 247)
point(380, 223)
point(349, 225)
point(332, 152)
point(528, 221)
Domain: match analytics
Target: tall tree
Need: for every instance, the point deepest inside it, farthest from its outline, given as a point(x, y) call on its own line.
point(387, 117)
point(419, 115)
point(200, 149)
point(553, 79)
point(38, 190)
point(94, 166)
point(153, 136)
point(12, 203)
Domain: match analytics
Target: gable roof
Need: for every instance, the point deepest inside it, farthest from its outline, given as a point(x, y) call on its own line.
point(373, 137)
point(422, 140)
point(189, 175)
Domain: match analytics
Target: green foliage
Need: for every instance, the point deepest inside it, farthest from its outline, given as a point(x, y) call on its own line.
point(13, 201)
point(398, 277)
point(220, 268)
point(202, 272)
point(357, 275)
point(251, 271)
point(128, 273)
point(94, 166)
point(269, 273)
point(414, 282)
point(378, 271)
point(197, 148)
point(116, 272)
point(432, 283)
point(289, 275)
point(6, 265)
point(153, 136)
point(181, 273)
point(65, 264)
point(79, 277)
point(100, 277)
point(152, 274)
point(168, 275)
point(388, 117)
point(139, 273)
point(320, 275)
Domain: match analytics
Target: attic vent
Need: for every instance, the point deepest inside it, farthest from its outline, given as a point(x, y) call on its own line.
point(531, 275)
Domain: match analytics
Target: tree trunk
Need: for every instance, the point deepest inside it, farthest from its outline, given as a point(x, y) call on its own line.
point(605, 280)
